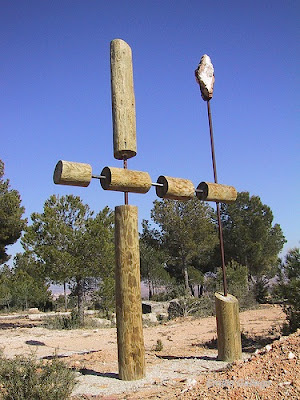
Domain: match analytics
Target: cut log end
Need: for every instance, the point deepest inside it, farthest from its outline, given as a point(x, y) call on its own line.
point(175, 188)
point(72, 173)
point(207, 191)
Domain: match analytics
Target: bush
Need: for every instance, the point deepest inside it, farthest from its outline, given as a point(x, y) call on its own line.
point(171, 291)
point(292, 306)
point(198, 307)
point(237, 282)
point(64, 321)
point(260, 289)
point(24, 378)
point(288, 289)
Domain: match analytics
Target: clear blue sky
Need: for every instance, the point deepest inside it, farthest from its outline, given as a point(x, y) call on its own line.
point(55, 96)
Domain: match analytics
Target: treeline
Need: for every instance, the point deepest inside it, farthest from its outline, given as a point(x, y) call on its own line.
point(70, 245)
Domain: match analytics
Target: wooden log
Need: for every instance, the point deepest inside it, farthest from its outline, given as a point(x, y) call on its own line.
point(123, 100)
point(216, 192)
point(131, 351)
point(72, 173)
point(175, 188)
point(228, 327)
point(125, 180)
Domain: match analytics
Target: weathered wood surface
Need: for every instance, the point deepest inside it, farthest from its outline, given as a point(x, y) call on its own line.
point(175, 188)
point(216, 192)
point(72, 173)
point(123, 100)
point(125, 180)
point(228, 327)
point(131, 351)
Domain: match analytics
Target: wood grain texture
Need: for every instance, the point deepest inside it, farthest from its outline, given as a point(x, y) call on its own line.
point(123, 100)
point(131, 351)
point(216, 192)
point(72, 173)
point(228, 327)
point(175, 188)
point(125, 180)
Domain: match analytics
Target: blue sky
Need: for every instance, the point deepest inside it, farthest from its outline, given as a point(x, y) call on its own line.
point(55, 96)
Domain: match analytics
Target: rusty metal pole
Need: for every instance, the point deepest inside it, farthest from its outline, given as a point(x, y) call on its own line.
point(217, 203)
point(125, 193)
point(205, 78)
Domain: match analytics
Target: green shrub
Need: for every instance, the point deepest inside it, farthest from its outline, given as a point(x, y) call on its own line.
point(260, 289)
point(24, 378)
point(237, 282)
point(198, 307)
point(64, 321)
point(159, 345)
point(288, 289)
point(292, 306)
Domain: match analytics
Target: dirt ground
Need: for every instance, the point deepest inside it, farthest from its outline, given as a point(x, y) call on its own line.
point(186, 368)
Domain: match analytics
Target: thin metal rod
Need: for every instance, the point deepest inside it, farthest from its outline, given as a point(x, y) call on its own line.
point(125, 193)
point(217, 203)
point(157, 184)
point(98, 176)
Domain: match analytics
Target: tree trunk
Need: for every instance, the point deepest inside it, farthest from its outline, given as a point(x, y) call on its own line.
point(186, 279)
point(80, 298)
point(192, 290)
point(65, 296)
point(200, 290)
point(150, 291)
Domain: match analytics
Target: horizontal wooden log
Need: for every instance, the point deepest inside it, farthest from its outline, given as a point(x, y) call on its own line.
point(125, 180)
point(228, 327)
point(175, 188)
point(123, 100)
point(131, 350)
point(72, 173)
point(216, 192)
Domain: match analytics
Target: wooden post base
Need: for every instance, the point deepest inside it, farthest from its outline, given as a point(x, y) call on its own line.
point(131, 350)
point(228, 328)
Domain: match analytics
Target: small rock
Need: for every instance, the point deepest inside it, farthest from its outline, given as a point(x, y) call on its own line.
point(291, 356)
point(268, 347)
point(33, 310)
point(101, 322)
point(151, 317)
point(281, 384)
point(190, 383)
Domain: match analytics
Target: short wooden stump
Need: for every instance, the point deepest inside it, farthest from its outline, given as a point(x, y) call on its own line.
point(228, 327)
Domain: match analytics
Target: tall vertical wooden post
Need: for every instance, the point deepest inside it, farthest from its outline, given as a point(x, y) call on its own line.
point(131, 351)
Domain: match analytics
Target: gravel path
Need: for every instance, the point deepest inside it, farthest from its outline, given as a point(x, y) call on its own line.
point(166, 372)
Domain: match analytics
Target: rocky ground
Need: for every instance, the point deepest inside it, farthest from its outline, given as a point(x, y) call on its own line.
point(185, 368)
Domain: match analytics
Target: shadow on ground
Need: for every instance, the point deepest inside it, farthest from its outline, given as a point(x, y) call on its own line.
point(249, 343)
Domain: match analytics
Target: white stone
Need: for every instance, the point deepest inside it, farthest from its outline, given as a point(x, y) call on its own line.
point(101, 322)
point(33, 310)
point(268, 347)
point(151, 317)
point(291, 355)
point(205, 77)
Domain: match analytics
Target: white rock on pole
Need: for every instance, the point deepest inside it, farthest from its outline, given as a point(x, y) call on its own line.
point(205, 77)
